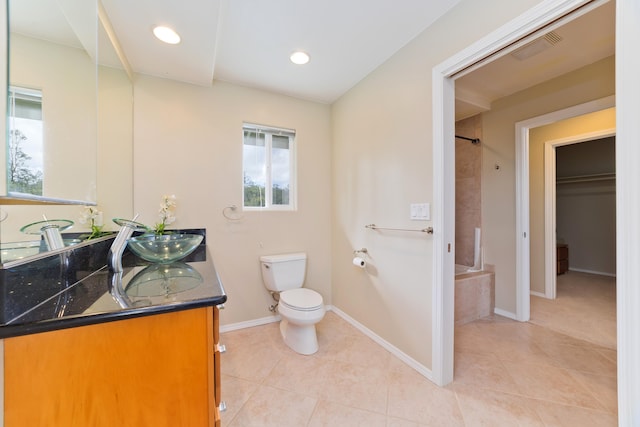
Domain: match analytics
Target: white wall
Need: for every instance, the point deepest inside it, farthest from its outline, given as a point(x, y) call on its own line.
point(115, 146)
point(382, 162)
point(188, 142)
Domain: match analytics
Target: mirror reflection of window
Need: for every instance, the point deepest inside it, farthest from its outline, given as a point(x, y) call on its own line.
point(26, 142)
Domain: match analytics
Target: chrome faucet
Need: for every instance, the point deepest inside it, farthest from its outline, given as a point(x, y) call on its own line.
point(127, 227)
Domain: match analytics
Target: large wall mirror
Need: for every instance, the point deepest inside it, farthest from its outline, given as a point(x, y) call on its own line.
point(70, 121)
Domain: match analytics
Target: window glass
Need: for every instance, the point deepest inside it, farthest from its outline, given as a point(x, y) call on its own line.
point(268, 168)
point(26, 142)
point(255, 177)
point(280, 170)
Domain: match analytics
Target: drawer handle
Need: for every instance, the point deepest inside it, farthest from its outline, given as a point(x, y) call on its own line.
point(221, 348)
point(223, 406)
point(220, 306)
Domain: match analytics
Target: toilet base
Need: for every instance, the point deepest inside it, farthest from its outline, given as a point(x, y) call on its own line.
point(299, 338)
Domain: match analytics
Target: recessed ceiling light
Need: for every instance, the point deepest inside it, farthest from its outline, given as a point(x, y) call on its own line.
point(166, 34)
point(299, 57)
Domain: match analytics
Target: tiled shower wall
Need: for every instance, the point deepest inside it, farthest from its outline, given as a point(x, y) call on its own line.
point(468, 187)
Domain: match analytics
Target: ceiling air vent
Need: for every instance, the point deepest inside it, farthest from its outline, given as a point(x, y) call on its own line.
point(536, 46)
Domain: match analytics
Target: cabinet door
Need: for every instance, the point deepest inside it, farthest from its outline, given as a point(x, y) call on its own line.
point(147, 371)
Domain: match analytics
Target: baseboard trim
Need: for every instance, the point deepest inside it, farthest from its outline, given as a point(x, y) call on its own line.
point(249, 323)
point(599, 273)
point(256, 322)
point(538, 294)
point(408, 360)
point(505, 313)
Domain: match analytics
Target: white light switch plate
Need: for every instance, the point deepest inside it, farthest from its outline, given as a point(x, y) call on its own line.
point(420, 212)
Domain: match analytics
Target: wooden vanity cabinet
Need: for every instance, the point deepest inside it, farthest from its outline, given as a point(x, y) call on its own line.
point(158, 370)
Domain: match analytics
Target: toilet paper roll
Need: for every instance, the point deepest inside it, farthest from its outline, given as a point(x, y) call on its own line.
point(359, 262)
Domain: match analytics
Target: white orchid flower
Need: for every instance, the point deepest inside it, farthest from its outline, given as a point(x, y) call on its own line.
point(166, 213)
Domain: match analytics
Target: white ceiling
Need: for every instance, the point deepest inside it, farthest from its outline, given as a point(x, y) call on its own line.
point(42, 20)
point(248, 42)
point(584, 40)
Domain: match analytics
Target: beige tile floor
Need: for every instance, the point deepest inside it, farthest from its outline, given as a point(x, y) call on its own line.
point(585, 308)
point(506, 374)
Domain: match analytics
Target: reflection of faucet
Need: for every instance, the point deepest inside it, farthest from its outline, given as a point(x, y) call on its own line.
point(52, 237)
point(120, 295)
point(115, 289)
point(65, 280)
point(127, 228)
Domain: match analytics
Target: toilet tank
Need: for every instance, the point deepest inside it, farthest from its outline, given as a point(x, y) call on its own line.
point(283, 272)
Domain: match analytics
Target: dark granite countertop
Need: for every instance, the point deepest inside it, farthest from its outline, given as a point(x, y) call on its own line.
point(74, 288)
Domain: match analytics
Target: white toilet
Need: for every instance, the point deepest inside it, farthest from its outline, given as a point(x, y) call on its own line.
point(299, 308)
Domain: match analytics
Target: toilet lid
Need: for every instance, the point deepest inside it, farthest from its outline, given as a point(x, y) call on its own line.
point(301, 299)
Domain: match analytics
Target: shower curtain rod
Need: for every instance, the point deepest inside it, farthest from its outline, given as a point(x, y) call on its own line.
point(473, 140)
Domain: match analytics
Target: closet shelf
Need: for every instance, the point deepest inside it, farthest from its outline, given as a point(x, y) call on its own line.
point(586, 178)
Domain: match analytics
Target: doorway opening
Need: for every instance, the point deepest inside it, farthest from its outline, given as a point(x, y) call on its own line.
point(516, 34)
point(579, 213)
point(627, 203)
point(573, 232)
point(523, 190)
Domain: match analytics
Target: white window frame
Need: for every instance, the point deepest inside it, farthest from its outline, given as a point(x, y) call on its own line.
point(270, 131)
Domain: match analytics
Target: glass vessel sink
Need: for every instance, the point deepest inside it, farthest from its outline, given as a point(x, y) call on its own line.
point(164, 248)
point(40, 226)
point(50, 230)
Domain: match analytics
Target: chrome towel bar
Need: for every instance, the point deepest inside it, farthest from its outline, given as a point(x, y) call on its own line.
point(428, 230)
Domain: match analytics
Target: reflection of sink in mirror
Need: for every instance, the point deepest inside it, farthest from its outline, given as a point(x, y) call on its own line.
point(18, 250)
point(103, 304)
point(163, 279)
point(108, 301)
point(13, 251)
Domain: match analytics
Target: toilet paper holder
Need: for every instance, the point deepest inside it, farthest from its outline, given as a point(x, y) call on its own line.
point(360, 257)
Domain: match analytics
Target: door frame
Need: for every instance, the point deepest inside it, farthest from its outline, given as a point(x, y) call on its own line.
point(627, 196)
point(543, 15)
point(523, 253)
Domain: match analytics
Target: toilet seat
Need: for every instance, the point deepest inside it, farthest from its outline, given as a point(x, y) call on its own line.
point(301, 299)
